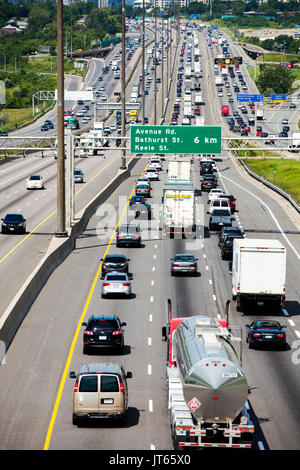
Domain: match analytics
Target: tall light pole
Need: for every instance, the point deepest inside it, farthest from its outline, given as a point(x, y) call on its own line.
point(143, 65)
point(61, 214)
point(162, 65)
point(155, 56)
point(123, 97)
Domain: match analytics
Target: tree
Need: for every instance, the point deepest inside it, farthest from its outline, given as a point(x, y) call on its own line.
point(274, 77)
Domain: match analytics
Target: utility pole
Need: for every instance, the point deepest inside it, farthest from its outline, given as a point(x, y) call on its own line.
point(155, 55)
point(162, 65)
point(143, 65)
point(71, 31)
point(61, 215)
point(123, 102)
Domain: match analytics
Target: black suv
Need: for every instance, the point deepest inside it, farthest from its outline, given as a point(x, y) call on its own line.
point(13, 223)
point(227, 246)
point(206, 169)
point(114, 263)
point(209, 182)
point(103, 331)
point(231, 231)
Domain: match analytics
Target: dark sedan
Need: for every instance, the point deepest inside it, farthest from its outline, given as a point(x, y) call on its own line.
point(114, 262)
point(103, 332)
point(209, 182)
point(227, 246)
point(142, 211)
point(136, 199)
point(266, 332)
point(14, 223)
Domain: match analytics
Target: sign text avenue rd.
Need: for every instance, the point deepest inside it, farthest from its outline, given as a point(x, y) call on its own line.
point(176, 140)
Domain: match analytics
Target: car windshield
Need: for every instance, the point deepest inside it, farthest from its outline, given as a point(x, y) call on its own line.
point(266, 324)
point(128, 228)
point(35, 177)
point(77, 172)
point(114, 259)
point(184, 258)
point(14, 217)
point(151, 170)
point(116, 277)
point(142, 186)
point(102, 323)
point(221, 213)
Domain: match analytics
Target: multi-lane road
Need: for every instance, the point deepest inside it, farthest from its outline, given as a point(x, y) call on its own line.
point(36, 392)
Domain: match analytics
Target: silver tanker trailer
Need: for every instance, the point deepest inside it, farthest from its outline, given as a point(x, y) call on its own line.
point(207, 388)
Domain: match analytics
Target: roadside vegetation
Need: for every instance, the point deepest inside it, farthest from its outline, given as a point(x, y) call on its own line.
point(23, 71)
point(286, 174)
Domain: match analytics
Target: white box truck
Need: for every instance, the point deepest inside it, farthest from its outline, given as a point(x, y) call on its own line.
point(134, 97)
point(197, 69)
point(198, 99)
point(188, 72)
point(295, 145)
point(187, 109)
point(259, 114)
point(258, 273)
point(179, 210)
point(218, 81)
point(179, 170)
point(199, 121)
point(179, 200)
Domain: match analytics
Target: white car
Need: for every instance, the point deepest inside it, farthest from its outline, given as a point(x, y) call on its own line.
point(79, 113)
point(35, 182)
point(143, 180)
point(214, 193)
point(155, 163)
point(151, 174)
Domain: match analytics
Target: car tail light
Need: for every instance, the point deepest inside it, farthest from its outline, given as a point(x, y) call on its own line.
point(90, 333)
point(280, 335)
point(126, 284)
point(105, 284)
point(193, 265)
point(121, 387)
point(256, 335)
point(136, 237)
point(176, 265)
point(76, 387)
point(118, 332)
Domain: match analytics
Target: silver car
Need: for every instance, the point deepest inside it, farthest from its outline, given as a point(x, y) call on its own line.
point(115, 284)
point(184, 263)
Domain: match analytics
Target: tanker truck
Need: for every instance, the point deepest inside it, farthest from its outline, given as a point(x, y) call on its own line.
point(207, 389)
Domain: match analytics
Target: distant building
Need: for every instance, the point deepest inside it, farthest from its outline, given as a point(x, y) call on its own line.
point(9, 29)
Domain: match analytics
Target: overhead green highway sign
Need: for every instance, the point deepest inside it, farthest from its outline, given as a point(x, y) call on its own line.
point(176, 139)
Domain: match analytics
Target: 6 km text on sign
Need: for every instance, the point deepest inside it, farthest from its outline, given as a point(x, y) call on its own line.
point(176, 140)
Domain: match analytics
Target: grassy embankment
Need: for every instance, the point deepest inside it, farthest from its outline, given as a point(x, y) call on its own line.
point(287, 174)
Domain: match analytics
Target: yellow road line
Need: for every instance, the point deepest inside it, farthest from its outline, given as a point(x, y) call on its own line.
point(50, 215)
point(70, 355)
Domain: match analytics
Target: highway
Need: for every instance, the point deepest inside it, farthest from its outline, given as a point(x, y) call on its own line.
point(36, 392)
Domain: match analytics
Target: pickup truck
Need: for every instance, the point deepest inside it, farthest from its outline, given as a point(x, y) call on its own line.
point(220, 218)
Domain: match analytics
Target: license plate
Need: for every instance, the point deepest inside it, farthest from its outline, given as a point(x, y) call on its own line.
point(268, 336)
point(102, 337)
point(115, 286)
point(11, 228)
point(107, 401)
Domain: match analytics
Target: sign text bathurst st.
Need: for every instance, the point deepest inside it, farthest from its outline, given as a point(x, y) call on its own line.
point(176, 140)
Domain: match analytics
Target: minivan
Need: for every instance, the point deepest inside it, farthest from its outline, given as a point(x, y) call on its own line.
point(100, 391)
